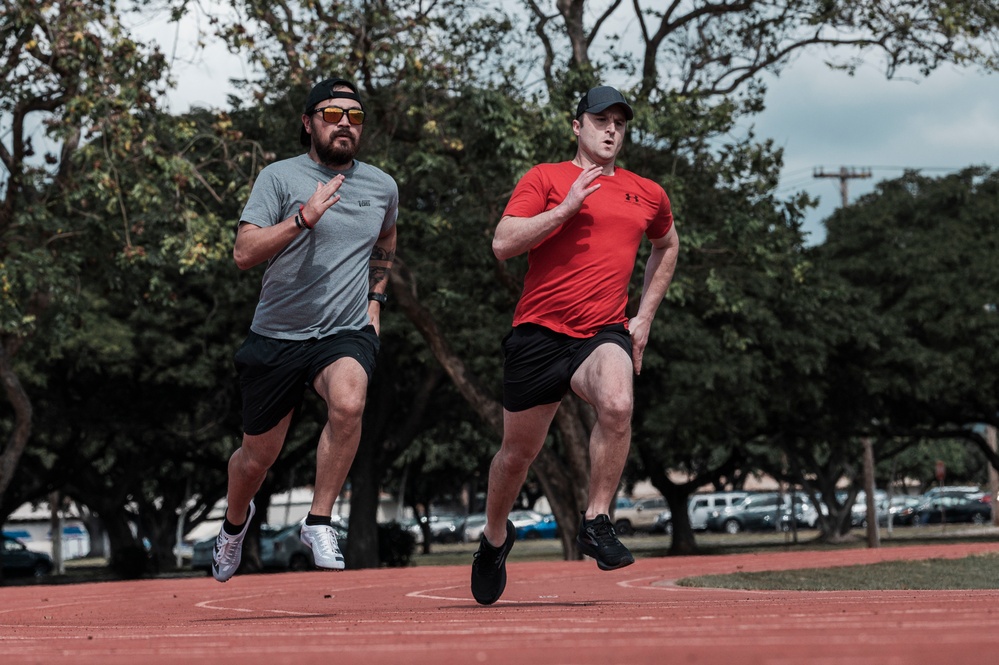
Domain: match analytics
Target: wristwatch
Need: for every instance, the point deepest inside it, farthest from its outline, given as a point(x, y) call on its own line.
point(380, 298)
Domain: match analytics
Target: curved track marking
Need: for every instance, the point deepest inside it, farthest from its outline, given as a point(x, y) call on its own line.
point(210, 605)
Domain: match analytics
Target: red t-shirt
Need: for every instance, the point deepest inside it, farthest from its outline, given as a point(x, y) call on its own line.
point(577, 278)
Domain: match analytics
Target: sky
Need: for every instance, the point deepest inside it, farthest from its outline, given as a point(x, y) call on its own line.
point(824, 120)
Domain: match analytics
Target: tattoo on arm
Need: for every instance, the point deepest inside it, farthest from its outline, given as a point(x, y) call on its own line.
point(380, 265)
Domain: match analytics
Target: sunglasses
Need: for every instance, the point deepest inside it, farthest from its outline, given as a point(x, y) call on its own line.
point(332, 115)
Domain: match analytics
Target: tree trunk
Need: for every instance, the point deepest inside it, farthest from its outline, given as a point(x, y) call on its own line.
point(128, 557)
point(21, 405)
point(362, 545)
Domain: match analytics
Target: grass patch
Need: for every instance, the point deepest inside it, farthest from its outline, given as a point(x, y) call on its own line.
point(973, 572)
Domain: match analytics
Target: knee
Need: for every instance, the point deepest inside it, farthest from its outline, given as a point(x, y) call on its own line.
point(514, 459)
point(252, 461)
point(616, 412)
point(346, 410)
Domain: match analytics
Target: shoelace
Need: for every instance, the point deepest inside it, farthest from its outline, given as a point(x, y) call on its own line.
point(602, 532)
point(226, 551)
point(325, 539)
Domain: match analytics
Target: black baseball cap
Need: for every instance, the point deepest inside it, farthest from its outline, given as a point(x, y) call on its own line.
point(597, 99)
point(325, 90)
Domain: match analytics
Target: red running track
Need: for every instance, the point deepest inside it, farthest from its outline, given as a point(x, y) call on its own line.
point(551, 613)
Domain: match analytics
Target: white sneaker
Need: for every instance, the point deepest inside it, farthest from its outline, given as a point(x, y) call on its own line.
point(228, 550)
point(322, 539)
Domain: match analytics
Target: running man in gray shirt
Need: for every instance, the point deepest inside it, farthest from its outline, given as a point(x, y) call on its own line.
point(325, 224)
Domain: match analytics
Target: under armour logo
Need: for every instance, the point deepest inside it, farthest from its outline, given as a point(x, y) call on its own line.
point(364, 202)
point(632, 197)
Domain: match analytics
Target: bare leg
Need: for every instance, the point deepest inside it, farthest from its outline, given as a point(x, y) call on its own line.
point(248, 467)
point(524, 433)
point(605, 380)
point(343, 386)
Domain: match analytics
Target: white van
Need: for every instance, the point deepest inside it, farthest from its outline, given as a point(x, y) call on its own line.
point(700, 506)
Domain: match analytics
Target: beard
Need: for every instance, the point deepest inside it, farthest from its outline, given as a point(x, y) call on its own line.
point(335, 155)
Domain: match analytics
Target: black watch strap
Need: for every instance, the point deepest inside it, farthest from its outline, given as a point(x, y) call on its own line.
point(380, 298)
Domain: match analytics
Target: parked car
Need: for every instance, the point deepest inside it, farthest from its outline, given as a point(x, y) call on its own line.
point(522, 518)
point(546, 527)
point(281, 548)
point(955, 506)
point(474, 524)
point(858, 511)
point(664, 522)
point(903, 509)
point(639, 516)
point(446, 528)
point(18, 560)
point(411, 525)
point(950, 490)
point(765, 511)
point(700, 506)
point(805, 512)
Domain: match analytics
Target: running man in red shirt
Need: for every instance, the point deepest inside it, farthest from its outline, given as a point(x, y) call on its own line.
point(581, 223)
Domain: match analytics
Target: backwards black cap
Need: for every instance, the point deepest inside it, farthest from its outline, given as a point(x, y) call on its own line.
point(325, 90)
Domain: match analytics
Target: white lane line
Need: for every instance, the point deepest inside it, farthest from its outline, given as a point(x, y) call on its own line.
point(214, 605)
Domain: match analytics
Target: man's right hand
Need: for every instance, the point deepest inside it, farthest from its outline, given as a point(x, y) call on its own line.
point(582, 188)
point(324, 198)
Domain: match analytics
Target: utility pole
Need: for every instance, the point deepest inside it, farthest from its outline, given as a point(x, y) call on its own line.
point(873, 537)
point(990, 438)
point(844, 174)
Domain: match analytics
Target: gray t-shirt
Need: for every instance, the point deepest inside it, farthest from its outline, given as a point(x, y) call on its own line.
point(318, 284)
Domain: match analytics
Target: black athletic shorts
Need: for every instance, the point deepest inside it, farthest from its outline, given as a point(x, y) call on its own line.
point(539, 363)
point(274, 373)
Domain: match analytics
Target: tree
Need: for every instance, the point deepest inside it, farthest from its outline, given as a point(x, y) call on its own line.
point(908, 336)
point(71, 75)
point(919, 255)
point(140, 384)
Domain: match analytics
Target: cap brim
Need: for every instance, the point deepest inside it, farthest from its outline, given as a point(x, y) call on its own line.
point(628, 113)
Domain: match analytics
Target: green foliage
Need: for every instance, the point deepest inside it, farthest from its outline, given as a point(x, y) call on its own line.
point(964, 465)
point(73, 72)
point(910, 343)
point(919, 254)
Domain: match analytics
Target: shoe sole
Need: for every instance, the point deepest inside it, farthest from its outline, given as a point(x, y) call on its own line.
point(330, 570)
point(586, 550)
point(511, 536)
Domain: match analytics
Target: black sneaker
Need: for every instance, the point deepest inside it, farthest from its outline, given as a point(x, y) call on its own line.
point(596, 538)
point(489, 567)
